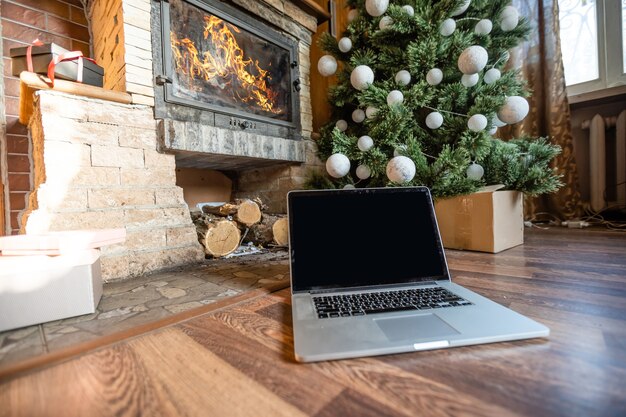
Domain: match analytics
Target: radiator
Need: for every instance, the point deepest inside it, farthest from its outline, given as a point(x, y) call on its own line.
point(598, 127)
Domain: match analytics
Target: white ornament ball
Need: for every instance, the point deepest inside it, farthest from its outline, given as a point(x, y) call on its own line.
point(447, 27)
point(497, 122)
point(492, 75)
point(344, 44)
point(342, 125)
point(365, 143)
point(352, 14)
point(400, 169)
point(370, 112)
point(361, 77)
point(434, 120)
point(385, 22)
point(327, 65)
point(401, 149)
point(483, 27)
point(408, 10)
point(474, 171)
point(477, 123)
point(363, 172)
point(473, 59)
point(469, 80)
point(493, 130)
point(434, 76)
point(358, 116)
point(376, 7)
point(462, 8)
point(349, 187)
point(394, 97)
point(337, 165)
point(514, 110)
point(509, 18)
point(403, 77)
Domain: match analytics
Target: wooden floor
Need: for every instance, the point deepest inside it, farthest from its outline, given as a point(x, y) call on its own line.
point(238, 360)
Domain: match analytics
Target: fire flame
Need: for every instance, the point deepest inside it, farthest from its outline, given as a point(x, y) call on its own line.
point(225, 65)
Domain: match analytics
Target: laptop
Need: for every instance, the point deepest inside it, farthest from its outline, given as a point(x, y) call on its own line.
point(369, 277)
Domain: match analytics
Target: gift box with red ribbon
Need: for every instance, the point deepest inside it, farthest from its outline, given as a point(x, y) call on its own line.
point(53, 61)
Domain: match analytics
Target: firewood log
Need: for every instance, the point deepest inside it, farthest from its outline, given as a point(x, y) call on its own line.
point(261, 234)
point(244, 211)
point(280, 230)
point(218, 235)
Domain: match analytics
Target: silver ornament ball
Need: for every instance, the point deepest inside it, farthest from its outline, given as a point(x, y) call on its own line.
point(473, 59)
point(514, 110)
point(492, 75)
point(370, 112)
point(327, 65)
point(344, 44)
point(342, 125)
point(434, 76)
point(469, 80)
point(408, 10)
point(363, 172)
point(361, 77)
point(358, 116)
point(365, 143)
point(337, 165)
point(395, 97)
point(400, 169)
point(403, 77)
point(434, 120)
point(483, 27)
point(385, 23)
point(447, 27)
point(376, 7)
point(474, 171)
point(477, 123)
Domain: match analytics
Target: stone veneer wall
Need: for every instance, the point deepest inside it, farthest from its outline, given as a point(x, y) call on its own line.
point(96, 165)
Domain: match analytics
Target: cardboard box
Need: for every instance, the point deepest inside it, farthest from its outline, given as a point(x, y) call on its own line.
point(41, 56)
point(486, 221)
point(37, 289)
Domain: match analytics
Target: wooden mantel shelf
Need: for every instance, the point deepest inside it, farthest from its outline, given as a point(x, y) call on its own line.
point(31, 82)
point(314, 9)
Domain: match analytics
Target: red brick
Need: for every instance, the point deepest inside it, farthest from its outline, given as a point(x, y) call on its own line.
point(12, 106)
point(19, 182)
point(81, 46)
point(66, 28)
point(11, 87)
point(16, 31)
point(18, 163)
point(23, 15)
point(17, 200)
point(14, 126)
point(17, 144)
point(14, 223)
point(77, 15)
point(51, 6)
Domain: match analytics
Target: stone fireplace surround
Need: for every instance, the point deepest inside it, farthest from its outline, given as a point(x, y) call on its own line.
point(99, 164)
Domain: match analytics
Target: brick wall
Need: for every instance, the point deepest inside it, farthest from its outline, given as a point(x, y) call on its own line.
point(60, 21)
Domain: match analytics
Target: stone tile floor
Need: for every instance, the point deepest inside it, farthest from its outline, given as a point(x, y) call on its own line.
point(128, 303)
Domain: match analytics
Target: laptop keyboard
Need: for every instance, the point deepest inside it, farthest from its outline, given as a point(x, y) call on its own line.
point(384, 302)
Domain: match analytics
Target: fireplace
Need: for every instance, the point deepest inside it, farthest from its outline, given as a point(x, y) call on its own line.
point(101, 164)
point(227, 64)
point(235, 74)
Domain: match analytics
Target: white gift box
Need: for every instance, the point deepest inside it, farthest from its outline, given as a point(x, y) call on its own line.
point(37, 289)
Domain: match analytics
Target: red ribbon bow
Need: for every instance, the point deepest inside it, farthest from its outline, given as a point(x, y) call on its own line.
point(68, 56)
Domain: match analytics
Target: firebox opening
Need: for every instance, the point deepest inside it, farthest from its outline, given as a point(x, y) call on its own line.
point(215, 58)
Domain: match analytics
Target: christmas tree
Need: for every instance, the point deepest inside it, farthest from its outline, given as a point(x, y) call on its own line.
point(421, 91)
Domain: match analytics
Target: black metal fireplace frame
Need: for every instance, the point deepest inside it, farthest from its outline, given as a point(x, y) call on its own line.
point(169, 106)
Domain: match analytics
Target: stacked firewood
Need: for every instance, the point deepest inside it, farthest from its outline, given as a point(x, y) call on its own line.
point(223, 227)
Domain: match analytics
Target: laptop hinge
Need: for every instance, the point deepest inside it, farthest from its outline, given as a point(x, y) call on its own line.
point(369, 288)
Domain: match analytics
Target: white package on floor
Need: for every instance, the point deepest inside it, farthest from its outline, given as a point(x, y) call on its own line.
point(37, 289)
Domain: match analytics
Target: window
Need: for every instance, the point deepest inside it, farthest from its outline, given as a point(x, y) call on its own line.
point(593, 43)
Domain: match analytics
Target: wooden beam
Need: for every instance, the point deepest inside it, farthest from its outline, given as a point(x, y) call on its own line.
point(314, 9)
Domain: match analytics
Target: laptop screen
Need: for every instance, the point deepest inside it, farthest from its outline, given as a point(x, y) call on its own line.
point(363, 237)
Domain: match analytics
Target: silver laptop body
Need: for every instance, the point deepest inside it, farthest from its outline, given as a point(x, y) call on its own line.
point(368, 271)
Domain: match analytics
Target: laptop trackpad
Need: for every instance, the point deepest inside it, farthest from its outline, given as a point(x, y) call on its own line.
point(415, 327)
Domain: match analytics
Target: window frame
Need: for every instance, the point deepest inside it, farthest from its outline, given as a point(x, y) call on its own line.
point(609, 37)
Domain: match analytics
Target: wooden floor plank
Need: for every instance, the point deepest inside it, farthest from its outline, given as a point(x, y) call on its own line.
point(238, 360)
